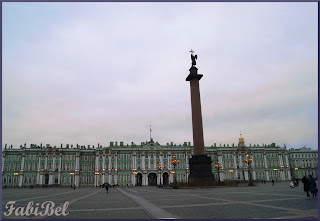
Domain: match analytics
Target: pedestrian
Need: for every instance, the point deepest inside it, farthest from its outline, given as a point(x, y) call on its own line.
point(313, 186)
point(272, 182)
point(74, 187)
point(291, 184)
point(306, 186)
point(107, 188)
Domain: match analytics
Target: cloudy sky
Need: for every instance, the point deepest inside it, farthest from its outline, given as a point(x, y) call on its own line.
point(99, 72)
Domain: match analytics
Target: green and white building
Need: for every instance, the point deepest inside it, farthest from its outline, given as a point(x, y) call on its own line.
point(132, 164)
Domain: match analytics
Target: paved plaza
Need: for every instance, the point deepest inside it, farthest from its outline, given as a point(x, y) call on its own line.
point(263, 201)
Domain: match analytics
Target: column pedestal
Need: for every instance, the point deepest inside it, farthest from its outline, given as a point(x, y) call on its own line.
point(200, 170)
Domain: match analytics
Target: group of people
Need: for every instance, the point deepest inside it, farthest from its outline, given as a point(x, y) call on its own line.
point(309, 184)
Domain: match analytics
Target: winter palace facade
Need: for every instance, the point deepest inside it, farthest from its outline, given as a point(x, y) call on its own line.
point(139, 164)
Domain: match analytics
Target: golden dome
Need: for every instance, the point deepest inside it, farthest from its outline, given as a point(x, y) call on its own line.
point(241, 138)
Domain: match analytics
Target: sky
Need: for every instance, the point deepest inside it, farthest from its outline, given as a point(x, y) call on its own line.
point(92, 73)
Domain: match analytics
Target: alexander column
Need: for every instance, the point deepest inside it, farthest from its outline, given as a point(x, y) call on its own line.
point(200, 163)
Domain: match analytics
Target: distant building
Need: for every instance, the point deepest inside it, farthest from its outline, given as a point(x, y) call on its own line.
point(303, 162)
point(137, 164)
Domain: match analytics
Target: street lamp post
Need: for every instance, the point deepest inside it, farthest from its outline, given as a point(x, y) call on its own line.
point(96, 176)
point(160, 167)
point(174, 161)
point(218, 166)
point(73, 178)
point(15, 178)
point(275, 173)
point(297, 173)
point(248, 160)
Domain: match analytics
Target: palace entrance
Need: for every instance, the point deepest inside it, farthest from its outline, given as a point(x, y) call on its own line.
point(139, 179)
point(46, 178)
point(165, 179)
point(152, 179)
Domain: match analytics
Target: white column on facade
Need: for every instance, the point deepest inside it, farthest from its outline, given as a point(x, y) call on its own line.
point(149, 164)
point(50, 179)
point(288, 167)
point(281, 167)
point(187, 163)
point(41, 178)
point(22, 168)
point(103, 168)
point(3, 159)
point(39, 165)
point(169, 163)
point(221, 174)
point(145, 179)
point(50, 173)
point(59, 169)
point(170, 177)
point(161, 159)
point(266, 165)
point(77, 170)
point(133, 176)
point(241, 167)
point(135, 161)
point(116, 170)
point(46, 162)
point(96, 169)
point(109, 158)
point(158, 178)
point(154, 161)
point(235, 166)
point(97, 162)
point(143, 161)
point(110, 167)
point(116, 162)
point(54, 162)
point(254, 177)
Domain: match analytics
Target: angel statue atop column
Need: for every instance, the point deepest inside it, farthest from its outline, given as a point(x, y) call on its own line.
point(193, 58)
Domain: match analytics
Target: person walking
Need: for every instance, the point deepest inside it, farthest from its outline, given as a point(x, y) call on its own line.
point(306, 186)
point(272, 182)
point(313, 186)
point(107, 188)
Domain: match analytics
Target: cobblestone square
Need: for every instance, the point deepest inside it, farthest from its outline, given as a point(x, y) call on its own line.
point(258, 202)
